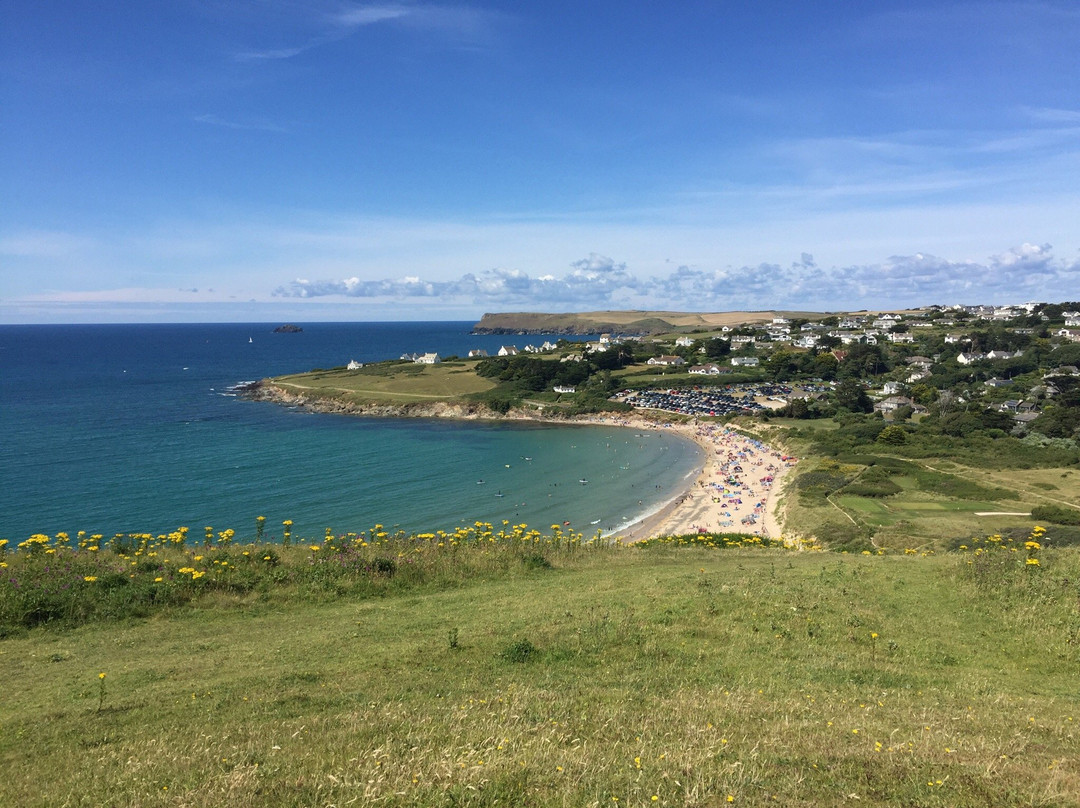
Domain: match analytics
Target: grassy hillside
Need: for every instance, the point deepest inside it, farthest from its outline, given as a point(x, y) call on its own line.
point(643, 322)
point(393, 383)
point(660, 676)
point(874, 496)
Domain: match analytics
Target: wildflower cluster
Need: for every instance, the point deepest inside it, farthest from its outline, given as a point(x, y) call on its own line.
point(1006, 565)
point(721, 541)
point(56, 578)
point(1027, 548)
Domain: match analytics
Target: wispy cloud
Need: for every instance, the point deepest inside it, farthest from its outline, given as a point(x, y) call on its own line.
point(1052, 115)
point(355, 16)
point(45, 244)
point(270, 53)
point(258, 126)
point(458, 24)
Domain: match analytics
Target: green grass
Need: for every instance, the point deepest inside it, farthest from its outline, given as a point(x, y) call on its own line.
point(391, 383)
point(937, 500)
point(688, 675)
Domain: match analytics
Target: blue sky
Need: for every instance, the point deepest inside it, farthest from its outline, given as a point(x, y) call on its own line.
point(328, 160)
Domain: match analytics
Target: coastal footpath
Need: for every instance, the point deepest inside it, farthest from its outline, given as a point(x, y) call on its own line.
point(737, 488)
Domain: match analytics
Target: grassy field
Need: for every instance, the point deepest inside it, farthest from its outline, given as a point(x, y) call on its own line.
point(609, 677)
point(904, 503)
point(394, 383)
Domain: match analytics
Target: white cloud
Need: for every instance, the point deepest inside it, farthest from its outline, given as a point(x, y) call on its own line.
point(355, 16)
point(1020, 273)
point(270, 53)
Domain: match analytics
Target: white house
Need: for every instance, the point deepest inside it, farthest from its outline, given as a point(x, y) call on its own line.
point(354, 365)
point(666, 360)
point(477, 353)
point(968, 358)
point(745, 361)
point(684, 342)
point(565, 388)
point(705, 370)
point(428, 359)
point(508, 350)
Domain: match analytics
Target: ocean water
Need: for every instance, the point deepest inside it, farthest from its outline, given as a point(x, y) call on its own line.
point(127, 428)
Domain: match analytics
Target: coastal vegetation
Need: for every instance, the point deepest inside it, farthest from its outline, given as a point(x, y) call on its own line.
point(544, 672)
point(927, 442)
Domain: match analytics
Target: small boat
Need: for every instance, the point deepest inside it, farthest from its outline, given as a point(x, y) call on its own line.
point(594, 522)
point(583, 481)
point(500, 494)
point(479, 482)
point(250, 340)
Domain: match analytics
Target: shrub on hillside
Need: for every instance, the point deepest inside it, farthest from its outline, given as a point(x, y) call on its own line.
point(1056, 513)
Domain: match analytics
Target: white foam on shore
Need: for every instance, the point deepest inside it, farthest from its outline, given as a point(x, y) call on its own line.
point(686, 485)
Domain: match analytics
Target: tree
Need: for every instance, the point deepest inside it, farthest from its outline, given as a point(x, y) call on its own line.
point(851, 396)
point(923, 394)
point(893, 435)
point(717, 347)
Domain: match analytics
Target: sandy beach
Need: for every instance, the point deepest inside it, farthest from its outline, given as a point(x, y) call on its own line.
point(736, 490)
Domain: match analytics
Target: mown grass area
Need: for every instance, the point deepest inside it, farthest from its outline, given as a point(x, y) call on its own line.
point(607, 676)
point(391, 382)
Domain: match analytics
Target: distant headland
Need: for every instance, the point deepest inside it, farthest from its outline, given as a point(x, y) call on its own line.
point(624, 322)
point(288, 328)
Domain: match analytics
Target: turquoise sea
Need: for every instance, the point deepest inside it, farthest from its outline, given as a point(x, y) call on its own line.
point(121, 428)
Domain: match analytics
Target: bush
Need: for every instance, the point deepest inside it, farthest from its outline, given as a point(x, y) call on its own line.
point(893, 435)
point(843, 537)
point(1056, 514)
point(872, 488)
point(520, 651)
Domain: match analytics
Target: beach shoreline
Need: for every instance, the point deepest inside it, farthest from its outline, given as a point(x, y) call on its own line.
point(735, 489)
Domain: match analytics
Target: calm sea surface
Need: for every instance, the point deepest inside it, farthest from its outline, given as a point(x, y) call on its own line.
point(131, 428)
